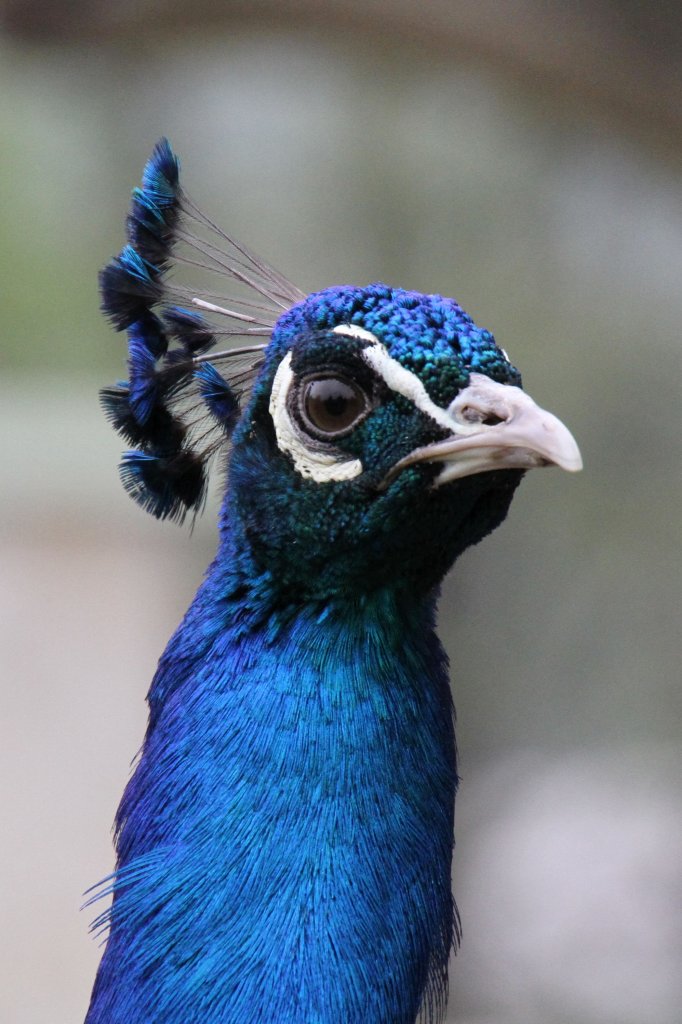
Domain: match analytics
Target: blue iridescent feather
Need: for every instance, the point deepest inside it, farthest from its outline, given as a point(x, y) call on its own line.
point(219, 397)
point(191, 330)
point(166, 475)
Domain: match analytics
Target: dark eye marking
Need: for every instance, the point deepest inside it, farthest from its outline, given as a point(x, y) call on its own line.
point(330, 404)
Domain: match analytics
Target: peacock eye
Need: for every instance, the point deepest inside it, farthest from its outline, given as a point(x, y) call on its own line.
point(332, 405)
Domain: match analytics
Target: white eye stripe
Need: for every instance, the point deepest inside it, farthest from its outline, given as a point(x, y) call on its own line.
point(312, 463)
point(401, 380)
point(353, 331)
point(397, 377)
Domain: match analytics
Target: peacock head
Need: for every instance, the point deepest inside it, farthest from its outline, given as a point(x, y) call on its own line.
point(382, 431)
point(385, 434)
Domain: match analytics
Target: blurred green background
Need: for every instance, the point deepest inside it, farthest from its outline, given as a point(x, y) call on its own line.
point(524, 158)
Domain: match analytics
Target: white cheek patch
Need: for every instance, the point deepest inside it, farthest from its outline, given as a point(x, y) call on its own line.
point(323, 467)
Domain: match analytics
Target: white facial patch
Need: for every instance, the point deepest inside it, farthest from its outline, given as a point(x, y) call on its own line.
point(324, 466)
point(311, 463)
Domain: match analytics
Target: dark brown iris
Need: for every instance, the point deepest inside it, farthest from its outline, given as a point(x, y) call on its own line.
point(332, 405)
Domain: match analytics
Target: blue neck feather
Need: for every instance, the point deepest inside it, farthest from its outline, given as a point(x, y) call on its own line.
point(285, 842)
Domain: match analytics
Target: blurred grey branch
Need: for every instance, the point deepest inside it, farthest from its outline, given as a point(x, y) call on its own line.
point(622, 58)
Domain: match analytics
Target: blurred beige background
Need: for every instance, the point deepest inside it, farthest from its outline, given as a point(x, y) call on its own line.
point(524, 158)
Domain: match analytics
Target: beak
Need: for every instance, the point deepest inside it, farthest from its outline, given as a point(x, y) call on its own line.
point(495, 426)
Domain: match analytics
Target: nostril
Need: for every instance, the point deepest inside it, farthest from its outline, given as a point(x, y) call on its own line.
point(470, 414)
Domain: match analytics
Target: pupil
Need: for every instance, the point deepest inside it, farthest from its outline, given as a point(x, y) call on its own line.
point(332, 404)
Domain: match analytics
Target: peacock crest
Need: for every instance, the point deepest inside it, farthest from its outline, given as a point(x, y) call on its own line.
point(176, 408)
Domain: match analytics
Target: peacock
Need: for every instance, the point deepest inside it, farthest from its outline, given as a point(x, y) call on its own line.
point(284, 844)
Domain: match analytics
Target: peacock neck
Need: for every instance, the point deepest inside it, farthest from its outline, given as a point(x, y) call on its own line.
point(285, 843)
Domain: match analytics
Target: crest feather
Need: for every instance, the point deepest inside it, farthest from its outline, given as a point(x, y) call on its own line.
point(176, 408)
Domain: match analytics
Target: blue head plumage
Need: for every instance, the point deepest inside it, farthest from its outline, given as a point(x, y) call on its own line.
point(284, 845)
point(408, 356)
